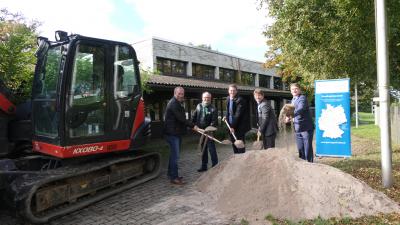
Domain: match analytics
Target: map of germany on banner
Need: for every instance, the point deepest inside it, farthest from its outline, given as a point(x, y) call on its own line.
point(330, 120)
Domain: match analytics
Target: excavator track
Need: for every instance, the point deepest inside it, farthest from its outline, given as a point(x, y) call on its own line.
point(39, 196)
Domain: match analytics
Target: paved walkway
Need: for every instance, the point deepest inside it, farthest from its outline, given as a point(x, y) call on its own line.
point(154, 202)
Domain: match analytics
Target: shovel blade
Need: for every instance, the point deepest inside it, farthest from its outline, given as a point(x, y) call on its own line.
point(239, 144)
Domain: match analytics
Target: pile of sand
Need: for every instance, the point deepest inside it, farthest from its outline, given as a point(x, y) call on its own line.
point(258, 183)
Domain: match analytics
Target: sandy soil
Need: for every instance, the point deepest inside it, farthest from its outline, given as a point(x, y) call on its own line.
point(276, 182)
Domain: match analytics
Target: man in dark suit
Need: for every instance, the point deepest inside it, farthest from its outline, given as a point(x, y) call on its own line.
point(175, 125)
point(266, 120)
point(237, 115)
point(303, 123)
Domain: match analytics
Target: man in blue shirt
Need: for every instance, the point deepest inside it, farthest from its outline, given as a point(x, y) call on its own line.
point(303, 123)
point(238, 116)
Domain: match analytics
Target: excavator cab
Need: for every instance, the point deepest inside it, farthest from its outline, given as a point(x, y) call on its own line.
point(86, 102)
point(86, 97)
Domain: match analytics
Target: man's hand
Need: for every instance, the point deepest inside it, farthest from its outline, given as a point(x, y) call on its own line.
point(196, 128)
point(223, 118)
point(232, 130)
point(287, 119)
point(258, 133)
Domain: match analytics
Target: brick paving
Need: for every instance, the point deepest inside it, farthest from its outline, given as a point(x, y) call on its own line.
point(154, 202)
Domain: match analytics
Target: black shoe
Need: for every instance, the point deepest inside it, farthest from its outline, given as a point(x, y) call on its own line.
point(201, 170)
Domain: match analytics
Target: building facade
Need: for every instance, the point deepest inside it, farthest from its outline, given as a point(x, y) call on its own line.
point(199, 69)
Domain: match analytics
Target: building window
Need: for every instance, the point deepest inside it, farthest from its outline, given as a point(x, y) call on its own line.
point(227, 75)
point(286, 87)
point(203, 71)
point(171, 67)
point(264, 81)
point(248, 78)
point(278, 83)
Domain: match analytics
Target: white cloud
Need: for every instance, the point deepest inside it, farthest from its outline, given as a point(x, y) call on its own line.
point(234, 27)
point(90, 18)
point(236, 24)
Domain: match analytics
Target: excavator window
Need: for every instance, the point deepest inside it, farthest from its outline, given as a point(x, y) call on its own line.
point(126, 83)
point(86, 106)
point(126, 86)
point(45, 114)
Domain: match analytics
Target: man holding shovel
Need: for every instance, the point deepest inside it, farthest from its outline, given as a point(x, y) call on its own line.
point(237, 119)
point(204, 116)
point(175, 124)
point(266, 120)
point(303, 123)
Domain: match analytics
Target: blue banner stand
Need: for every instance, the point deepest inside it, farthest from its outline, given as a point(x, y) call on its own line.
point(332, 118)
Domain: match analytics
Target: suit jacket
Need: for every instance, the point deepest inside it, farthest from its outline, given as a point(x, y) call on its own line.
point(302, 117)
point(266, 119)
point(241, 115)
point(207, 119)
point(175, 121)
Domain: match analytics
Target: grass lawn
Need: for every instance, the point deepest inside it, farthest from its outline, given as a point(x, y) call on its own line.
point(366, 128)
point(365, 164)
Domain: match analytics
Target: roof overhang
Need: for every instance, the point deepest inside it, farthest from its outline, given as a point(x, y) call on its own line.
point(161, 82)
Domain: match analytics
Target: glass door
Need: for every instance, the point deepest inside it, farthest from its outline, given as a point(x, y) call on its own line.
point(86, 105)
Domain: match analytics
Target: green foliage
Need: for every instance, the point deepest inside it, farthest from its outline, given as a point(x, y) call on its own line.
point(17, 47)
point(328, 39)
point(84, 67)
point(145, 75)
point(51, 72)
point(221, 133)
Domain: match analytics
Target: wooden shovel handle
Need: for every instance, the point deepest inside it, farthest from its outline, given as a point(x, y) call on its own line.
point(208, 136)
point(233, 134)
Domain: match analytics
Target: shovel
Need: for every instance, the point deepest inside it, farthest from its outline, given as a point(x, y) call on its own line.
point(258, 145)
point(238, 143)
point(199, 146)
point(225, 142)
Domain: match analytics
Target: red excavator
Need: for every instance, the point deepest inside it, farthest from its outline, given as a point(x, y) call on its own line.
point(77, 140)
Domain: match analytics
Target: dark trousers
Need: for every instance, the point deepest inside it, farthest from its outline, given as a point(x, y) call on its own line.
point(174, 146)
point(210, 148)
point(304, 145)
point(235, 149)
point(269, 141)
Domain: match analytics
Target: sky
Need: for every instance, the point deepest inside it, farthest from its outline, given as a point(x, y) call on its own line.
point(231, 26)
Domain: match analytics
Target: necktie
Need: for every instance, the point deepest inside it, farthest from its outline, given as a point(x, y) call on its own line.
point(230, 111)
point(204, 111)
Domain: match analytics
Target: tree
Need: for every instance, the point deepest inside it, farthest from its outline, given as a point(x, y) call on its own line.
point(17, 47)
point(145, 75)
point(326, 39)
